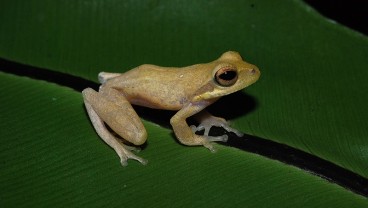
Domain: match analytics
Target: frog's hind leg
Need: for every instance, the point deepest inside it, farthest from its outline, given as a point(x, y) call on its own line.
point(110, 107)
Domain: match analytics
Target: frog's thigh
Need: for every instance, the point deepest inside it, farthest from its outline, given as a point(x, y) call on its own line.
point(115, 110)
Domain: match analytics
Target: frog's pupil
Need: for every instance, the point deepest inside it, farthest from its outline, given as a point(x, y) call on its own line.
point(228, 75)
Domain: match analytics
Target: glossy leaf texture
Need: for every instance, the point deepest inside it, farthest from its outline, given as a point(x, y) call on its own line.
point(311, 96)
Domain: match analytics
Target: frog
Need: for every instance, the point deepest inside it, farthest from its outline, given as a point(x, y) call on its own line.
point(185, 90)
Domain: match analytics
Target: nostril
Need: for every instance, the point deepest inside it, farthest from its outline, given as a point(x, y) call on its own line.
point(253, 71)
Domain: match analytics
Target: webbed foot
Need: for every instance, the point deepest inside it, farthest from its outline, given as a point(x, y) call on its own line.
point(125, 154)
point(208, 122)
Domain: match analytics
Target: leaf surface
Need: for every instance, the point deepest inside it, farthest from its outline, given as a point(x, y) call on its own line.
point(312, 96)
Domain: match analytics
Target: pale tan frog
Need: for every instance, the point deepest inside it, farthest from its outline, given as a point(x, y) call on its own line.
point(187, 90)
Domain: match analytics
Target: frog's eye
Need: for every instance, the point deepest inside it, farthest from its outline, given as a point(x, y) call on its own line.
point(226, 76)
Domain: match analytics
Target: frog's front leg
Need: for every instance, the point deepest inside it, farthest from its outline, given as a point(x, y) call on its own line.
point(206, 121)
point(185, 134)
point(111, 107)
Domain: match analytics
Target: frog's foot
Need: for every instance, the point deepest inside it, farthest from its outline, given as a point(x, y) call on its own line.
point(210, 147)
point(208, 122)
point(126, 154)
point(206, 135)
point(128, 147)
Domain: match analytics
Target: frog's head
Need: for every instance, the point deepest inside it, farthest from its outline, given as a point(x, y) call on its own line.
point(229, 74)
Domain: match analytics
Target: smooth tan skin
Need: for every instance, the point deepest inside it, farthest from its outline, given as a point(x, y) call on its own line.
point(187, 90)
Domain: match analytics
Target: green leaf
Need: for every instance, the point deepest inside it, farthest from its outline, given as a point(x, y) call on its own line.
point(311, 96)
point(50, 156)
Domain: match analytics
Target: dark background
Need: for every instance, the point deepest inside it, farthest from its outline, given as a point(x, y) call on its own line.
point(352, 13)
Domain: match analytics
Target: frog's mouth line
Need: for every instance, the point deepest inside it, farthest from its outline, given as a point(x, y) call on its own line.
point(280, 152)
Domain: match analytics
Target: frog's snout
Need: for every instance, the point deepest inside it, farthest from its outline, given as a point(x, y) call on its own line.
point(254, 71)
